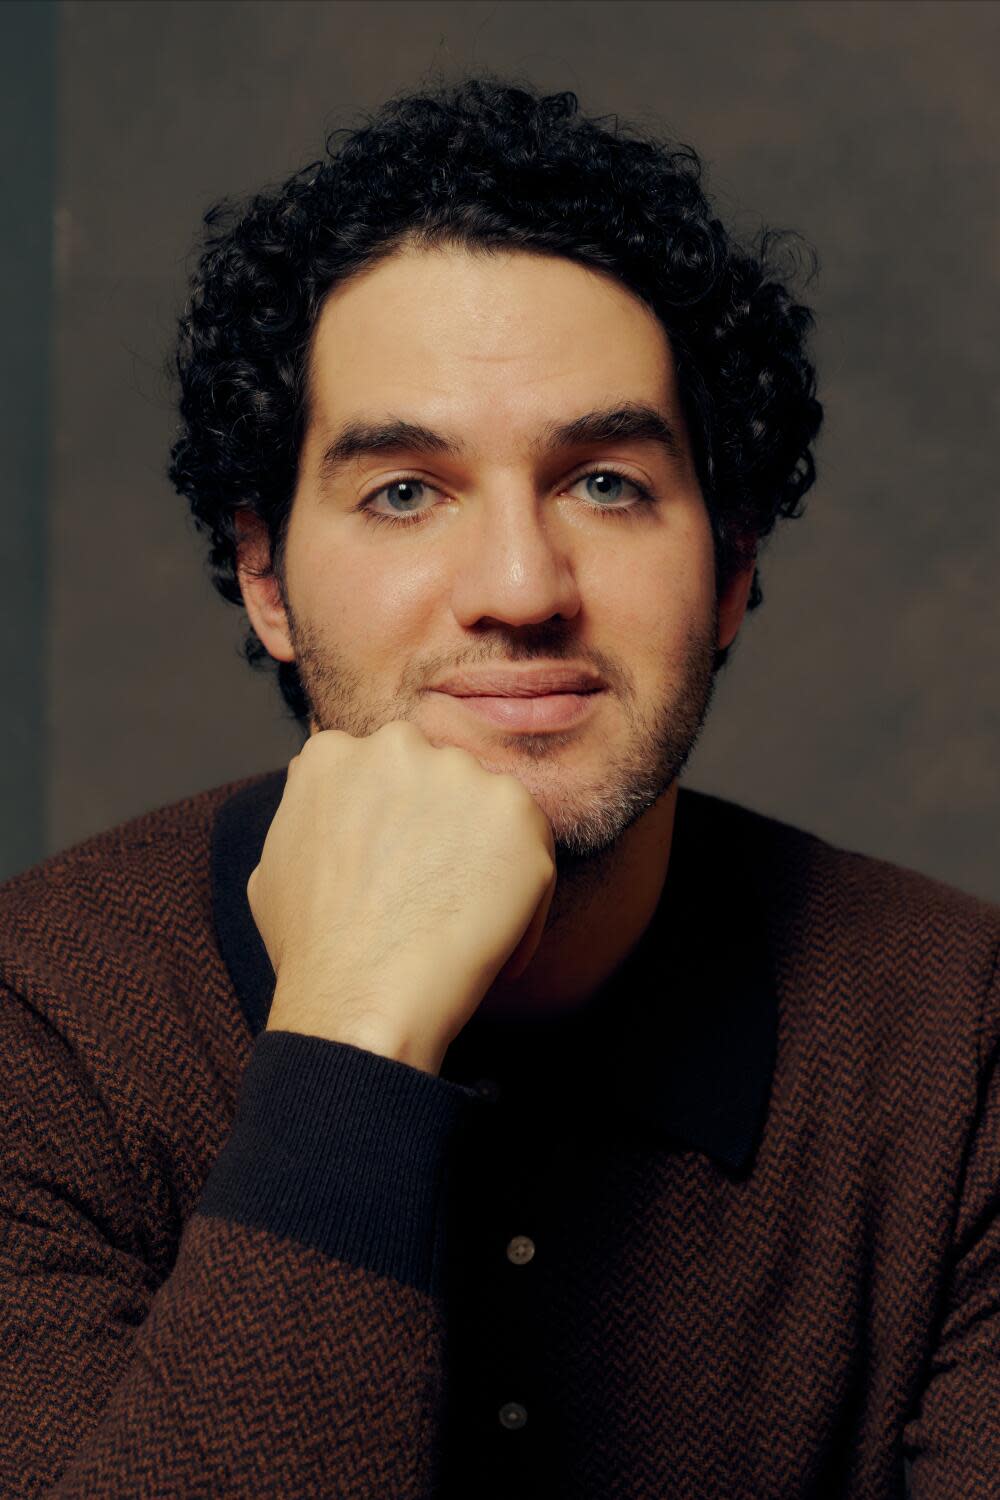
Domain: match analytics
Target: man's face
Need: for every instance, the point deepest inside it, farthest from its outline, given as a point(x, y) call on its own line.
point(524, 553)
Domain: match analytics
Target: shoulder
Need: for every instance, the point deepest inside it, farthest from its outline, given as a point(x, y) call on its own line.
point(863, 931)
point(101, 912)
point(869, 893)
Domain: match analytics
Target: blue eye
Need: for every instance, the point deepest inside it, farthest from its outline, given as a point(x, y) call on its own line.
point(408, 481)
point(397, 484)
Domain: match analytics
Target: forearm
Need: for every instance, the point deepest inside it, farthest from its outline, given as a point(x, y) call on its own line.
point(307, 1279)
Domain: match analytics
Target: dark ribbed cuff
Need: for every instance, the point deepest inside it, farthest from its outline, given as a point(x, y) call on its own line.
point(341, 1149)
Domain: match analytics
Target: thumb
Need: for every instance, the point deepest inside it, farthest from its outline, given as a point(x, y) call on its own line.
point(527, 947)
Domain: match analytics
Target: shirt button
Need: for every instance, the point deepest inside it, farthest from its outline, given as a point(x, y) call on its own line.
point(488, 1088)
point(513, 1415)
point(520, 1249)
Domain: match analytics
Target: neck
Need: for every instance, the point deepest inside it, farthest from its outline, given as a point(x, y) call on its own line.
point(601, 908)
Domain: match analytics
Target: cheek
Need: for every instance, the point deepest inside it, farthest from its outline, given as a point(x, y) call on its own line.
point(657, 591)
point(364, 602)
point(690, 564)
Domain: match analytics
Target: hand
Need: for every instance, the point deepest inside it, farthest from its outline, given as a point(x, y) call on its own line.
point(396, 881)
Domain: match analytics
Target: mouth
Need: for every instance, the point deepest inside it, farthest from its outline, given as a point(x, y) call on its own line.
point(537, 714)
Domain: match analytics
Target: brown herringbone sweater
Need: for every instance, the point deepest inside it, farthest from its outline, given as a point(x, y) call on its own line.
point(732, 1234)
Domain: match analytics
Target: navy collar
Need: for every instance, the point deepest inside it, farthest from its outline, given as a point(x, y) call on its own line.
point(693, 1049)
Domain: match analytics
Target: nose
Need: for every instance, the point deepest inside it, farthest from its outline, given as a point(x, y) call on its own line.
point(515, 563)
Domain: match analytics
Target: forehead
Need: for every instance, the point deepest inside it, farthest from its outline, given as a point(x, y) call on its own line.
point(509, 339)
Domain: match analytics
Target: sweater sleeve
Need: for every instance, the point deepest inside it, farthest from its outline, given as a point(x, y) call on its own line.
point(295, 1347)
point(952, 1442)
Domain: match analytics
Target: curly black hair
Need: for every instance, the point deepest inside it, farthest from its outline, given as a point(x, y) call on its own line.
point(487, 163)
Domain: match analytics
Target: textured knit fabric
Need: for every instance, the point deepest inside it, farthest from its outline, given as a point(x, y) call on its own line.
point(730, 1233)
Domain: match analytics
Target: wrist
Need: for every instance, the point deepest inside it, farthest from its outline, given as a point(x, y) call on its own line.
point(370, 1033)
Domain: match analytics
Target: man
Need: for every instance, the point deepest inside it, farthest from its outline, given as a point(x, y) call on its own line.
point(468, 1109)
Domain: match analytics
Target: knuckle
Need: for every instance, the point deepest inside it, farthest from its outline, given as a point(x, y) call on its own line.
point(517, 789)
point(399, 729)
point(323, 742)
point(459, 753)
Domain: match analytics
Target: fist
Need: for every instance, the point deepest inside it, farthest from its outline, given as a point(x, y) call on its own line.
point(396, 881)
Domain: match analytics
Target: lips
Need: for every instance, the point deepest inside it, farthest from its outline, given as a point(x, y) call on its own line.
point(532, 713)
point(542, 682)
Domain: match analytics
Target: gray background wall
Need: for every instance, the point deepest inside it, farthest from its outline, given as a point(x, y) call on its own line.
point(862, 700)
point(27, 160)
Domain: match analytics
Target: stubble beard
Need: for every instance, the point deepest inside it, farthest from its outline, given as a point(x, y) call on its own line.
point(587, 834)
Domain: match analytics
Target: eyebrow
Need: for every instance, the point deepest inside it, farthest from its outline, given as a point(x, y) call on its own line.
point(629, 421)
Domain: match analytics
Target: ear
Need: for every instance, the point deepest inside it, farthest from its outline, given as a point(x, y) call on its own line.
point(733, 603)
point(259, 586)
